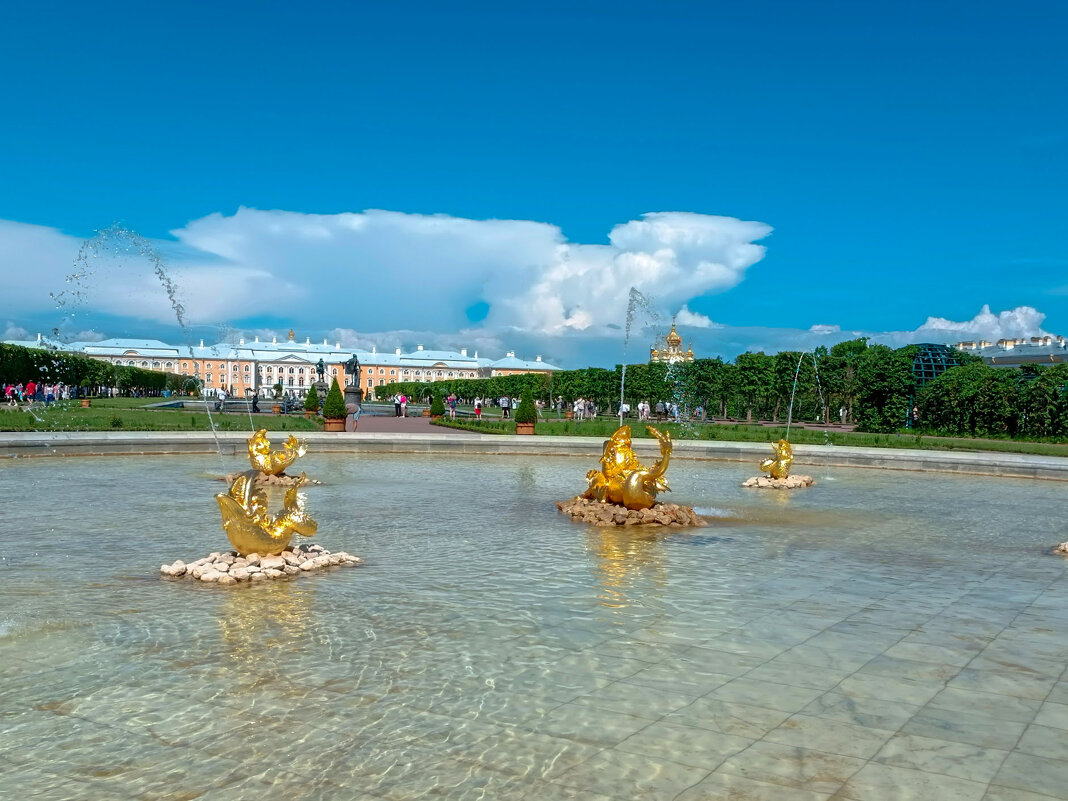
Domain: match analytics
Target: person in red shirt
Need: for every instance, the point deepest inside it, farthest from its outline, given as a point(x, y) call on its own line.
point(31, 389)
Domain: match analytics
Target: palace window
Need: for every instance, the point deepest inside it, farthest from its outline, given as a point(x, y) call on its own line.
point(291, 371)
point(185, 366)
point(300, 371)
point(291, 381)
point(333, 371)
point(301, 380)
point(418, 372)
point(381, 371)
point(370, 382)
point(169, 365)
point(246, 368)
point(392, 372)
point(129, 363)
point(381, 382)
point(450, 373)
point(209, 378)
point(155, 364)
point(207, 366)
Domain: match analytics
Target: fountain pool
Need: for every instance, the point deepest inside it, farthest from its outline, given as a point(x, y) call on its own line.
point(894, 635)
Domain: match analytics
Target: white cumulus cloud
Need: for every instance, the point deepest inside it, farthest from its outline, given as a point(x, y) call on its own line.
point(693, 319)
point(1023, 321)
point(380, 270)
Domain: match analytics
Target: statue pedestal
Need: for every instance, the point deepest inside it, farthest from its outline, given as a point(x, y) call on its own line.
point(790, 482)
point(596, 513)
point(353, 395)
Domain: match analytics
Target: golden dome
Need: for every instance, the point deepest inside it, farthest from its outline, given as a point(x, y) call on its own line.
point(673, 339)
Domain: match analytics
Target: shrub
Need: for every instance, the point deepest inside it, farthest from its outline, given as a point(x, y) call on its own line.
point(437, 406)
point(526, 413)
point(277, 390)
point(116, 421)
point(311, 401)
point(334, 408)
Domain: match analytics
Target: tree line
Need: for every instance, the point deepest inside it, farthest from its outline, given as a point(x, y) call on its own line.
point(20, 365)
point(871, 385)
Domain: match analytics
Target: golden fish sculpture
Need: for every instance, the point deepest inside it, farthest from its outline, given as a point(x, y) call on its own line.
point(778, 466)
point(622, 479)
point(249, 526)
point(262, 458)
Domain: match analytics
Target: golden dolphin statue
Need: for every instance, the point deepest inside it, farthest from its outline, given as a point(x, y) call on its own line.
point(262, 458)
point(778, 466)
point(622, 479)
point(248, 525)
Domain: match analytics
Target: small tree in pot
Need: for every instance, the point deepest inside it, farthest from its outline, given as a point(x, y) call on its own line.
point(526, 415)
point(85, 393)
point(276, 407)
point(437, 407)
point(311, 403)
point(334, 408)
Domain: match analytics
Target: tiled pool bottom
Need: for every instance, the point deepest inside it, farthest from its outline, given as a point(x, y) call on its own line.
point(881, 636)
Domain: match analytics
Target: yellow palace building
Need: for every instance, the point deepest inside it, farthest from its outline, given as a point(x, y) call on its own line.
point(256, 366)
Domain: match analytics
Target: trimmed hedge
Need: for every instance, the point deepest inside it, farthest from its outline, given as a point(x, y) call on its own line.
point(19, 365)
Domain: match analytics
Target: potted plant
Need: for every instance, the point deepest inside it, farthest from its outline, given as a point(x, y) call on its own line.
point(334, 408)
point(276, 407)
point(85, 393)
point(311, 403)
point(437, 407)
point(526, 415)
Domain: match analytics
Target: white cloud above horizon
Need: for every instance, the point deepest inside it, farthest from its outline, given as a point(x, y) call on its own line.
point(389, 279)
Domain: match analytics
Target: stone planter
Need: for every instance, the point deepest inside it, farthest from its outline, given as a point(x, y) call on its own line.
point(85, 403)
point(524, 428)
point(433, 416)
point(308, 414)
point(569, 414)
point(335, 424)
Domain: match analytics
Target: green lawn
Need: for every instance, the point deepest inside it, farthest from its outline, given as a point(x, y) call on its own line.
point(129, 414)
point(603, 427)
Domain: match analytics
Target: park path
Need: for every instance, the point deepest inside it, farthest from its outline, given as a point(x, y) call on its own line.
point(374, 424)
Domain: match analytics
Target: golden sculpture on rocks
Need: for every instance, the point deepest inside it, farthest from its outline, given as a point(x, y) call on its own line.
point(273, 463)
point(249, 526)
point(622, 480)
point(778, 466)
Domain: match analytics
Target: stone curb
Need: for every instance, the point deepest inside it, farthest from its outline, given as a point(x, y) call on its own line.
point(234, 443)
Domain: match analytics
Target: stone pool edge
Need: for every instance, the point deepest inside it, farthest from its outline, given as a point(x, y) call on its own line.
point(234, 443)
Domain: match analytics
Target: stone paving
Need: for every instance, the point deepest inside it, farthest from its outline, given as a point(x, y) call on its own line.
point(857, 658)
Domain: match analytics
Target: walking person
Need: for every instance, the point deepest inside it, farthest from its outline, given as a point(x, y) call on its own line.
point(396, 406)
point(506, 405)
point(403, 405)
point(452, 405)
point(478, 408)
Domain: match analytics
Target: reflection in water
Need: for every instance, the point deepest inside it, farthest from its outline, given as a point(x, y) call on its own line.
point(275, 619)
point(630, 564)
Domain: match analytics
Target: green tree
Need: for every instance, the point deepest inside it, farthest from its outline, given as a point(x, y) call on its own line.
point(334, 407)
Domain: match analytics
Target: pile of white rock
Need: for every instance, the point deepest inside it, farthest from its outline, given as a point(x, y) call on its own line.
point(267, 480)
point(790, 482)
point(609, 514)
point(232, 568)
point(1062, 548)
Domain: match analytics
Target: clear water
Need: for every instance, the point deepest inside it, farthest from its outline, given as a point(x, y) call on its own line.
point(883, 635)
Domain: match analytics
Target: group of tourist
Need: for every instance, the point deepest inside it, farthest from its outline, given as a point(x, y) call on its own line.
point(400, 405)
point(36, 392)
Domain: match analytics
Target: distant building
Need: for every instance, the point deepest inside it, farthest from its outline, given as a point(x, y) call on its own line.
point(670, 349)
point(257, 366)
point(1018, 352)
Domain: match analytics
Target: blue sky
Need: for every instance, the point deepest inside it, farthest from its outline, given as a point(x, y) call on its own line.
point(910, 157)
